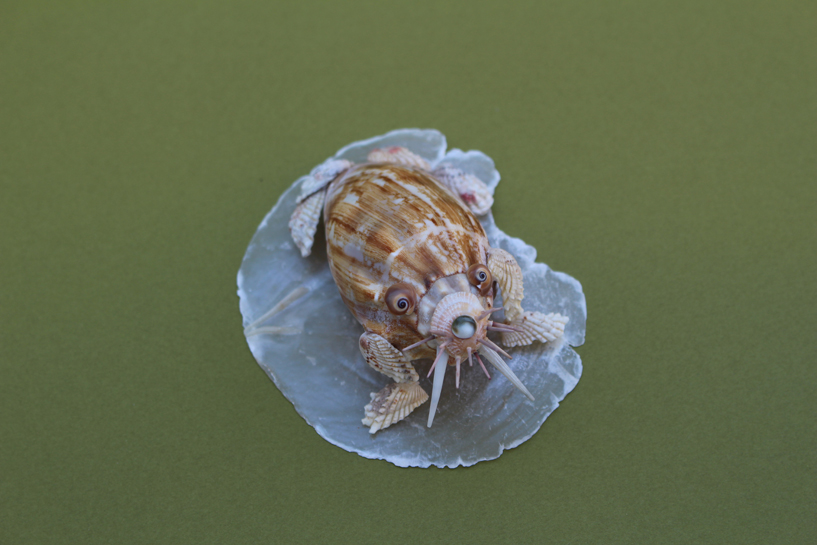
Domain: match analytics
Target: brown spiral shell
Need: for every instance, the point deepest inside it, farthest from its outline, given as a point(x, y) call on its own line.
point(389, 224)
point(401, 299)
point(480, 276)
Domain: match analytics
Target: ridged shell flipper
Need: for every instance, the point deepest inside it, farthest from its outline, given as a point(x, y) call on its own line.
point(535, 327)
point(383, 357)
point(399, 156)
point(321, 176)
point(508, 275)
point(471, 189)
point(392, 404)
point(304, 221)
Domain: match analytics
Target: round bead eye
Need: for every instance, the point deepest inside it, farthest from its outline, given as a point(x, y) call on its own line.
point(480, 276)
point(400, 299)
point(464, 327)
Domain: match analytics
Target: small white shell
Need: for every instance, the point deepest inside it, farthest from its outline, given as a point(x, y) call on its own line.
point(470, 189)
point(399, 155)
point(392, 404)
point(536, 326)
point(304, 221)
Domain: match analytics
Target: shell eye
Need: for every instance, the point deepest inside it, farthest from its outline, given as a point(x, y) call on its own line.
point(480, 276)
point(400, 299)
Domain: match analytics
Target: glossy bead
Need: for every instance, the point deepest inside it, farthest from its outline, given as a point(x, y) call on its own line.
point(464, 327)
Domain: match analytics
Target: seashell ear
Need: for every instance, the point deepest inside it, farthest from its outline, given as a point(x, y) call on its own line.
point(401, 299)
point(480, 276)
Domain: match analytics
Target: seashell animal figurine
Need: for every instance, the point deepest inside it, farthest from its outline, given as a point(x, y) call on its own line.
point(414, 266)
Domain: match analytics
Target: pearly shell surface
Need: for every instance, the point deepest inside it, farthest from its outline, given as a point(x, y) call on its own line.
point(314, 359)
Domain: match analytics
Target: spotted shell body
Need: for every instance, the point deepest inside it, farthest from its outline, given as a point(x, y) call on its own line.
point(388, 224)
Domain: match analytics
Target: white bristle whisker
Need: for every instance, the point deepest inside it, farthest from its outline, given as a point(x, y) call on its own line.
point(482, 365)
point(440, 353)
point(415, 345)
point(457, 381)
point(488, 343)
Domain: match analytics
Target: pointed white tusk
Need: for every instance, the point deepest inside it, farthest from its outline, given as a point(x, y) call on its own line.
point(470, 361)
point(439, 375)
point(282, 305)
point(503, 368)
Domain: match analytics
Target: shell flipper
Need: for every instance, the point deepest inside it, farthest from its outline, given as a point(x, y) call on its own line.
point(535, 326)
point(321, 176)
point(508, 275)
point(470, 189)
point(303, 223)
point(385, 358)
point(392, 404)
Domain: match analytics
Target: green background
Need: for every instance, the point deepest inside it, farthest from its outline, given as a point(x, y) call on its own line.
point(663, 153)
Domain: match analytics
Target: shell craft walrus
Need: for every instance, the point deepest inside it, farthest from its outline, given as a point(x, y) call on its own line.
point(413, 264)
point(410, 246)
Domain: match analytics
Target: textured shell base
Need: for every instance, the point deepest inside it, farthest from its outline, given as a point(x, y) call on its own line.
point(310, 348)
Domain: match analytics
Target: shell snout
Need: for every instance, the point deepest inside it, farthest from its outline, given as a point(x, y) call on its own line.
point(460, 325)
point(459, 321)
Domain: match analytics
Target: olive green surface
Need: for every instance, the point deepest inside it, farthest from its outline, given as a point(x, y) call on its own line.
point(663, 153)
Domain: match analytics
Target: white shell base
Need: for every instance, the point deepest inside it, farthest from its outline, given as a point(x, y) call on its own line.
point(317, 364)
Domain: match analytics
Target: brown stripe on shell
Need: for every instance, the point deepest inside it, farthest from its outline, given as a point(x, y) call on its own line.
point(387, 224)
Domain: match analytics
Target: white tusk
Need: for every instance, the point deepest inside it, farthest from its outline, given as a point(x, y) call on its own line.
point(503, 368)
point(439, 374)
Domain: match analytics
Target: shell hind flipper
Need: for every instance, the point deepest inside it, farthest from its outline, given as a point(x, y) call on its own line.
point(398, 155)
point(385, 358)
point(535, 326)
point(392, 404)
point(470, 189)
point(303, 223)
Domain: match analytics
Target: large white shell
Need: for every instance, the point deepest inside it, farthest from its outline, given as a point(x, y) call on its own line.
point(322, 372)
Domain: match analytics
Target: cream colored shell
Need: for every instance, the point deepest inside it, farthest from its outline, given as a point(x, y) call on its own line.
point(392, 404)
